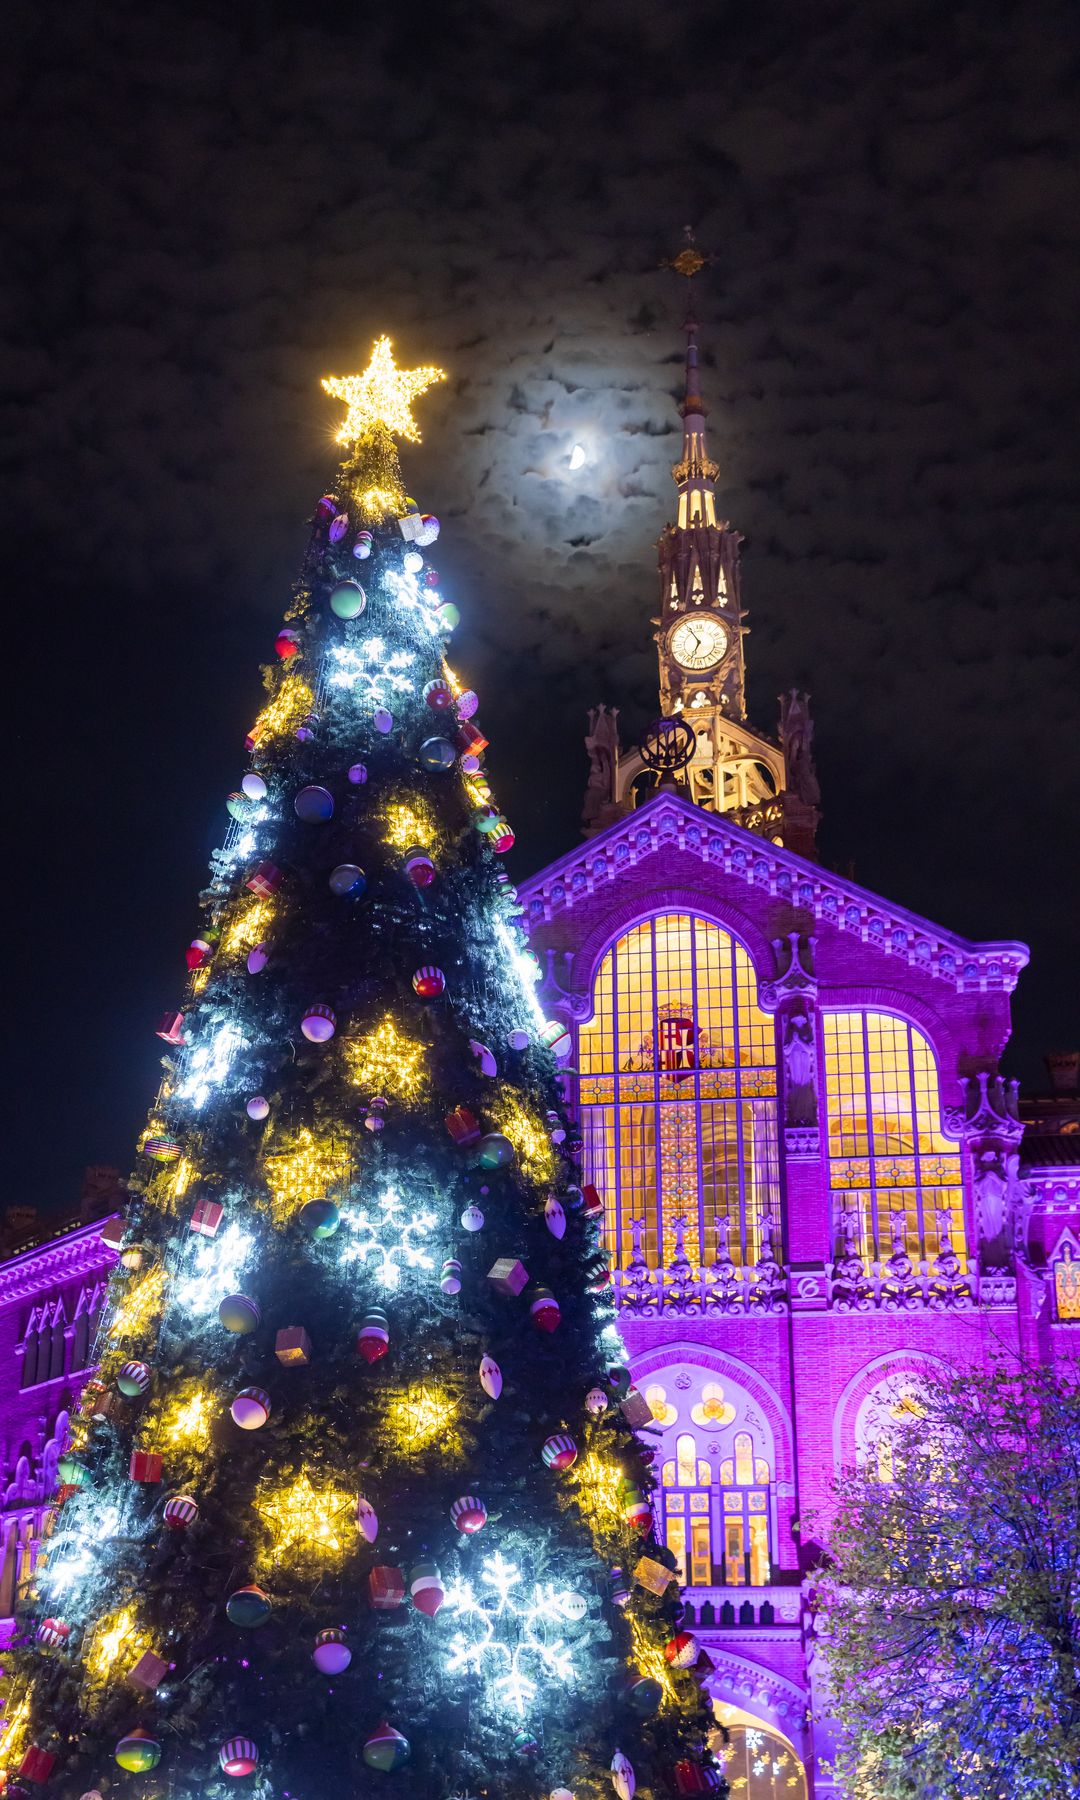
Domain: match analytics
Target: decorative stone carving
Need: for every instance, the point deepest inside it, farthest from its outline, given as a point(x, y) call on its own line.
point(800, 1068)
point(990, 1129)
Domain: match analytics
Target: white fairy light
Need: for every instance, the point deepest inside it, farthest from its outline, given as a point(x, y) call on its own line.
point(214, 1269)
point(406, 1224)
point(512, 1634)
point(370, 671)
point(206, 1065)
point(524, 968)
point(406, 592)
point(69, 1559)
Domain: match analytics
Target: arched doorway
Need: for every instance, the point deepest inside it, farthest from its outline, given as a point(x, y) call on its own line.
point(759, 1761)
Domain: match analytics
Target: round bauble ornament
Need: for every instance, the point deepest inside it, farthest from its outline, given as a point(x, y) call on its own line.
point(161, 1149)
point(596, 1401)
point(348, 600)
point(386, 1748)
point(554, 1217)
point(257, 959)
point(544, 1309)
point(251, 1408)
point(429, 982)
point(258, 1107)
point(375, 1117)
point(254, 785)
point(320, 1219)
point(338, 527)
point(450, 1276)
point(426, 1590)
point(623, 1779)
point(347, 880)
point(502, 840)
point(556, 1128)
point(373, 1338)
point(248, 1607)
point(318, 1024)
point(307, 728)
point(643, 1695)
point(620, 1587)
point(486, 820)
point(413, 562)
point(466, 704)
point(419, 868)
point(428, 530)
point(326, 509)
point(557, 1039)
point(488, 1065)
point(239, 1756)
point(468, 1514)
point(573, 1607)
point(524, 1744)
point(52, 1633)
point(448, 616)
point(559, 1451)
point(134, 1256)
point(490, 1377)
point(238, 806)
point(357, 774)
point(287, 643)
point(518, 1039)
point(436, 754)
point(681, 1651)
point(331, 1654)
point(383, 720)
point(180, 1511)
point(362, 547)
point(494, 1151)
point(470, 762)
point(138, 1752)
point(367, 1519)
point(71, 1471)
point(561, 1793)
point(439, 695)
point(133, 1380)
point(472, 1218)
point(314, 805)
point(239, 1314)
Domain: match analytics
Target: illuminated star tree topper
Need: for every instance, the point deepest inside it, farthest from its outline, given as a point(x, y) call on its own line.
point(382, 395)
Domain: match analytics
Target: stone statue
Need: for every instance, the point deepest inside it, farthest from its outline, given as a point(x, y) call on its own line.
point(800, 1066)
point(602, 743)
point(796, 735)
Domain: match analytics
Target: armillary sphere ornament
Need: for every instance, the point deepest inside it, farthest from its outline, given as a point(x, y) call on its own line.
point(667, 745)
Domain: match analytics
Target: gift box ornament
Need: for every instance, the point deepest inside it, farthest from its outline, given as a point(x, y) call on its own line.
point(636, 1409)
point(386, 1587)
point(508, 1276)
point(652, 1575)
point(149, 1672)
point(264, 880)
point(37, 1765)
point(206, 1217)
point(170, 1028)
point(145, 1465)
point(463, 1125)
point(292, 1346)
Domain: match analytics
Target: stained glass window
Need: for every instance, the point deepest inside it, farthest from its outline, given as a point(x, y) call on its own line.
point(891, 1168)
point(678, 1092)
point(1067, 1285)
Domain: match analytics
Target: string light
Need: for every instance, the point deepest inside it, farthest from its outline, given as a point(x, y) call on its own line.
point(382, 395)
point(307, 1523)
point(303, 1173)
point(117, 1632)
point(371, 672)
point(597, 1484)
point(512, 1637)
point(394, 1218)
point(140, 1306)
point(529, 1138)
point(284, 712)
point(524, 968)
point(214, 1269)
point(207, 1065)
point(407, 826)
point(384, 1062)
point(650, 1658)
point(422, 1417)
point(186, 1424)
point(249, 927)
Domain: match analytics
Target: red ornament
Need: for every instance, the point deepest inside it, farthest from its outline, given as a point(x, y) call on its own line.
point(264, 880)
point(419, 868)
point(681, 1651)
point(37, 1765)
point(373, 1340)
point(287, 643)
point(386, 1587)
point(469, 738)
point(326, 509)
point(145, 1465)
point(693, 1778)
point(502, 839)
point(429, 982)
point(591, 1204)
point(171, 1028)
point(206, 1217)
point(463, 1126)
point(197, 952)
point(439, 695)
point(544, 1309)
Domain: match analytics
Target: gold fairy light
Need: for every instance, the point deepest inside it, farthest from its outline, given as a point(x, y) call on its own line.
point(284, 712)
point(186, 1422)
point(382, 395)
point(424, 1416)
point(384, 1062)
point(140, 1305)
point(116, 1634)
point(528, 1137)
point(248, 927)
point(302, 1173)
point(408, 827)
point(307, 1523)
point(598, 1486)
point(650, 1658)
point(16, 1730)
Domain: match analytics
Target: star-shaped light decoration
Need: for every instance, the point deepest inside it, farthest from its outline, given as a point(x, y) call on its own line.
point(306, 1523)
point(382, 395)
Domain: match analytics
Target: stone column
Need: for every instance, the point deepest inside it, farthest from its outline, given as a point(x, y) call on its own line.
point(990, 1131)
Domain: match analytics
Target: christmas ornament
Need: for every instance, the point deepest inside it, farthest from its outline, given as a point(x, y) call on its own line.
point(463, 1126)
point(623, 1779)
point(138, 1752)
point(347, 878)
point(196, 953)
point(490, 1377)
point(501, 841)
point(450, 1276)
point(523, 1743)
point(265, 880)
point(325, 509)
point(52, 1633)
point(620, 1587)
point(436, 754)
point(554, 1217)
point(653, 1576)
point(149, 1673)
point(644, 1695)
point(72, 1472)
point(331, 1654)
point(426, 1590)
point(292, 1347)
point(36, 1766)
point(180, 1511)
point(314, 805)
point(237, 807)
point(559, 1451)
point(488, 1065)
point(257, 959)
point(254, 785)
point(145, 1466)
point(348, 600)
point(466, 704)
point(635, 1408)
point(419, 868)
point(681, 1651)
point(385, 1749)
point(439, 696)
point(518, 1039)
point(494, 1151)
point(472, 1218)
point(429, 529)
point(470, 739)
point(257, 1107)
point(170, 1030)
point(429, 982)
point(591, 1204)
point(362, 546)
point(561, 1793)
point(239, 1314)
point(206, 1216)
point(251, 1408)
point(307, 728)
point(367, 1519)
point(544, 1309)
point(357, 774)
point(468, 1514)
point(508, 1276)
point(239, 1756)
point(596, 1401)
point(133, 1380)
point(375, 1117)
point(248, 1607)
point(692, 1778)
point(557, 1039)
point(386, 1587)
point(383, 720)
point(287, 643)
point(635, 1508)
point(448, 616)
point(412, 562)
point(133, 1256)
point(373, 1340)
point(318, 1024)
point(320, 1218)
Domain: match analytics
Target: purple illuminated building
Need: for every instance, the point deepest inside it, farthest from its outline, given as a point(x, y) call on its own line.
point(817, 1183)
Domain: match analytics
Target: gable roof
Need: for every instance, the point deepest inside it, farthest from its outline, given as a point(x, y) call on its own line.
point(669, 821)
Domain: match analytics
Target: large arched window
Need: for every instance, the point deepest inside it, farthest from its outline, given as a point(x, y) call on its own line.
point(715, 1498)
point(892, 1169)
point(678, 1093)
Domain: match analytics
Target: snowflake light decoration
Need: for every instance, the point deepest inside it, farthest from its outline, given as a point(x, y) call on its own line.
point(512, 1633)
point(371, 672)
point(406, 593)
point(391, 1233)
point(213, 1268)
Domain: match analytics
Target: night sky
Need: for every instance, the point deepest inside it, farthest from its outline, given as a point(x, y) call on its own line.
point(205, 208)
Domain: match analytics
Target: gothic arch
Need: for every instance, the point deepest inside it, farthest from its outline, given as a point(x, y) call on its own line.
point(751, 1685)
point(864, 1383)
point(873, 998)
point(636, 907)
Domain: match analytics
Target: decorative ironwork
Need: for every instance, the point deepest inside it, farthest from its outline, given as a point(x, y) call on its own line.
point(667, 746)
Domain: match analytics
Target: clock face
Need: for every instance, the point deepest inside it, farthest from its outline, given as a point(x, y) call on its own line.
point(698, 643)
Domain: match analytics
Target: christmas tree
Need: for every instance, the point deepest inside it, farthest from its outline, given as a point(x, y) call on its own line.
point(355, 1488)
